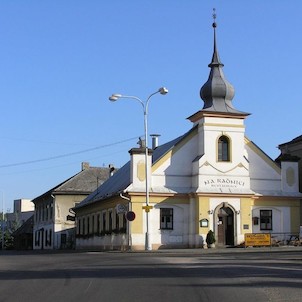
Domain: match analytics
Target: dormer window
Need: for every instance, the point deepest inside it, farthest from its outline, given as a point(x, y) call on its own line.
point(223, 148)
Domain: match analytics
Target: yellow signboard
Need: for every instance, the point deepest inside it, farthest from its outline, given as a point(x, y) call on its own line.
point(147, 208)
point(257, 239)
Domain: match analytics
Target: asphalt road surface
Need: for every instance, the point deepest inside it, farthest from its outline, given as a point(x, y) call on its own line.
point(222, 275)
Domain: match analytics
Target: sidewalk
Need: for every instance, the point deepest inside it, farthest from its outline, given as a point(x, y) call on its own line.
point(222, 250)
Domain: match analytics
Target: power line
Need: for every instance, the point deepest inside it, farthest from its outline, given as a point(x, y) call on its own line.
point(65, 155)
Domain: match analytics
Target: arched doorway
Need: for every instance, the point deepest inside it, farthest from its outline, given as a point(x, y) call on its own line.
point(225, 226)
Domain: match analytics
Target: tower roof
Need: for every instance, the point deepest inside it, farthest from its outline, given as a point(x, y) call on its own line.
point(217, 93)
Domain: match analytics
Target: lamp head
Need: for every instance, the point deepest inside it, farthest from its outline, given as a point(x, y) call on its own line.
point(114, 97)
point(163, 90)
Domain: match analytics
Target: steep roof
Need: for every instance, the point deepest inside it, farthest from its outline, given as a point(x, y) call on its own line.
point(297, 139)
point(25, 228)
point(83, 182)
point(121, 179)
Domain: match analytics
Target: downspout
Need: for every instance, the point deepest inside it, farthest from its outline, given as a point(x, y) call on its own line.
point(128, 222)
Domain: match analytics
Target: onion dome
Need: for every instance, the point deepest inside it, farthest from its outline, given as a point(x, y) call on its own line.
point(217, 93)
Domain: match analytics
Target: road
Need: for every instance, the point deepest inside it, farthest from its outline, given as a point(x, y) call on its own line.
point(227, 275)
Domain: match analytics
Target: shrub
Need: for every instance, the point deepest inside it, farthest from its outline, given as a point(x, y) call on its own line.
point(210, 239)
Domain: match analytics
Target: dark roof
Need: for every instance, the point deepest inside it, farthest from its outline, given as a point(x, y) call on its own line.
point(83, 182)
point(25, 228)
point(287, 158)
point(298, 139)
point(121, 179)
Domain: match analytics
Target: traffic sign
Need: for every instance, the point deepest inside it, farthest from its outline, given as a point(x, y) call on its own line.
point(130, 216)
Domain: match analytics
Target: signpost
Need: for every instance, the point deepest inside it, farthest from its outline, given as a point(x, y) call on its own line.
point(261, 239)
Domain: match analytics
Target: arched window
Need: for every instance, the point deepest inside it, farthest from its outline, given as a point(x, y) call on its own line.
point(223, 148)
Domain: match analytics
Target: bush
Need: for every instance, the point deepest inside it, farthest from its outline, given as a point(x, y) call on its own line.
point(210, 239)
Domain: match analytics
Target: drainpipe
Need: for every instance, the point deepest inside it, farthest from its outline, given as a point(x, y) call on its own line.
point(128, 222)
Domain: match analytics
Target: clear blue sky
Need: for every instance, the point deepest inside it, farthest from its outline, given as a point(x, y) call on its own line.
point(61, 60)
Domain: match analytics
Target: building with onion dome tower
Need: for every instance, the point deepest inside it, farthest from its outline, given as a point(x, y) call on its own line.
point(211, 178)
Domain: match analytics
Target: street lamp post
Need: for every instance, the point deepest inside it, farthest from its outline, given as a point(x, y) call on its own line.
point(114, 98)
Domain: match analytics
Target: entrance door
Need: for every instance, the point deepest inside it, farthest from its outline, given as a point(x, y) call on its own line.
point(225, 226)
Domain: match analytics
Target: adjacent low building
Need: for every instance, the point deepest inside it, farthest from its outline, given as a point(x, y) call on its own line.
point(23, 210)
point(18, 228)
point(53, 220)
point(211, 178)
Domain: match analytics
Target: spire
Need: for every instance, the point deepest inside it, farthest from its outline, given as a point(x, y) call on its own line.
point(215, 59)
point(217, 93)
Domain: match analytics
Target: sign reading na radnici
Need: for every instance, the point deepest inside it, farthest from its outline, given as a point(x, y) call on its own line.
point(224, 182)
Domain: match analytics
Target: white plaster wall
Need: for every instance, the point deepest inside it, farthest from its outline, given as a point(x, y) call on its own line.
point(263, 175)
point(290, 176)
point(176, 171)
point(280, 222)
point(177, 236)
point(119, 241)
point(212, 128)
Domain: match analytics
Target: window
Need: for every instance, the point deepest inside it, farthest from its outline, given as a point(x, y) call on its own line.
point(117, 221)
point(110, 221)
point(51, 211)
point(47, 206)
point(266, 217)
point(63, 239)
point(79, 226)
point(98, 224)
point(223, 149)
point(166, 219)
point(104, 222)
point(83, 226)
point(124, 221)
point(93, 224)
point(46, 235)
point(88, 225)
point(50, 237)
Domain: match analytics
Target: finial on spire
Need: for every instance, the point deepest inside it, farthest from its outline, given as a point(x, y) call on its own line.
point(214, 18)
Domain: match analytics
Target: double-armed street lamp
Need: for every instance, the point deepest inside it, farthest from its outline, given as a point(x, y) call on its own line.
point(145, 104)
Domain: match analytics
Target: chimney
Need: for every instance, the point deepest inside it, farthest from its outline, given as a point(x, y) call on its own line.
point(154, 140)
point(111, 170)
point(141, 142)
point(85, 166)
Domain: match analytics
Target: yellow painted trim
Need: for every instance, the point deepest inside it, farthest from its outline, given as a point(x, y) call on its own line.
point(201, 114)
point(223, 125)
point(240, 165)
point(141, 174)
point(169, 154)
point(245, 214)
point(263, 155)
point(225, 195)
